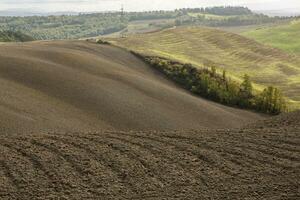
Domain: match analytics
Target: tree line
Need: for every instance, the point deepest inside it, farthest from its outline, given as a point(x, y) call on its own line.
point(11, 36)
point(219, 10)
point(238, 20)
point(90, 25)
point(206, 82)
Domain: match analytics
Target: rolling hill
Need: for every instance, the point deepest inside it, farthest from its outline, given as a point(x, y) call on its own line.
point(80, 86)
point(211, 47)
point(283, 36)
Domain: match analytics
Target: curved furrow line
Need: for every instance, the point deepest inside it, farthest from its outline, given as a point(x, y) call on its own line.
point(174, 180)
point(98, 157)
point(200, 155)
point(36, 163)
point(295, 144)
point(202, 185)
point(204, 173)
point(8, 190)
point(111, 159)
point(243, 148)
point(195, 180)
point(234, 157)
point(271, 152)
point(25, 174)
point(134, 155)
point(83, 174)
point(67, 182)
point(9, 175)
point(156, 153)
point(141, 179)
point(239, 137)
point(280, 148)
point(262, 143)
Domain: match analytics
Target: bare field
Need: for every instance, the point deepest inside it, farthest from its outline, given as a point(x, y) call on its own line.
point(79, 86)
point(250, 163)
point(57, 97)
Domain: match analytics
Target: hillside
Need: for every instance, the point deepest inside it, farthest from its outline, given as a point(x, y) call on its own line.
point(83, 25)
point(252, 163)
point(210, 47)
point(79, 86)
point(10, 36)
point(283, 36)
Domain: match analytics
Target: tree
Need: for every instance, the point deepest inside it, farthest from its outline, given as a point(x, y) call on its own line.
point(213, 71)
point(246, 87)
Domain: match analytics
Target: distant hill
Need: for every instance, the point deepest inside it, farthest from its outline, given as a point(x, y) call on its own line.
point(285, 37)
point(11, 36)
point(64, 25)
point(235, 53)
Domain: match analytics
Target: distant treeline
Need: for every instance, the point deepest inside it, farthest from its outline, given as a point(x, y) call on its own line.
point(11, 36)
point(206, 82)
point(236, 20)
point(220, 10)
point(90, 25)
point(65, 27)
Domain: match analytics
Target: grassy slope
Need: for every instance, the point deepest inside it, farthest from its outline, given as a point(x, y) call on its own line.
point(237, 54)
point(285, 37)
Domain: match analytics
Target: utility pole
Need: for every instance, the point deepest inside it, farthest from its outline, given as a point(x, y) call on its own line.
point(122, 13)
point(122, 20)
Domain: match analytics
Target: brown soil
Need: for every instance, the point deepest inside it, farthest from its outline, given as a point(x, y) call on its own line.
point(72, 87)
point(207, 164)
point(80, 86)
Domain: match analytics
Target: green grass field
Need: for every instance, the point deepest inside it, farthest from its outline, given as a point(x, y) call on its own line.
point(237, 54)
point(285, 37)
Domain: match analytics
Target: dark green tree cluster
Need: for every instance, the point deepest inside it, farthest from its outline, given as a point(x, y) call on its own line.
point(239, 20)
point(65, 26)
point(228, 10)
point(219, 10)
point(271, 101)
point(151, 15)
point(11, 36)
point(208, 83)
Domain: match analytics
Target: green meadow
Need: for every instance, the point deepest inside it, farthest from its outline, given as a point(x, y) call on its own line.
point(285, 37)
point(238, 55)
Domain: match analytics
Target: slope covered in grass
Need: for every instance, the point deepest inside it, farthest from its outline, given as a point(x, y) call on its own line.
point(285, 37)
point(235, 53)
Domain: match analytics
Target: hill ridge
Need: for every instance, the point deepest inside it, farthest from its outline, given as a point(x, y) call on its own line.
point(77, 85)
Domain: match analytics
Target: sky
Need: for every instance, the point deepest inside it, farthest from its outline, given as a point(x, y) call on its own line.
point(140, 5)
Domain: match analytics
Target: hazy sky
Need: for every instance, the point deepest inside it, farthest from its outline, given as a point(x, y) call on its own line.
point(140, 5)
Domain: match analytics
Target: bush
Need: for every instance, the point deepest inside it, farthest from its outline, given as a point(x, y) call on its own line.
point(209, 84)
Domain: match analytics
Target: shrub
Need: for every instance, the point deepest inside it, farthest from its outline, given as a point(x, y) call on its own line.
point(209, 84)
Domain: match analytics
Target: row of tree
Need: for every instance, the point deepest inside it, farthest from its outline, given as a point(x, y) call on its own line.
point(241, 20)
point(219, 10)
point(208, 83)
point(11, 36)
point(65, 26)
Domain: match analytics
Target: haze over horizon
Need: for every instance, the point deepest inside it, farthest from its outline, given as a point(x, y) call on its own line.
point(42, 6)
